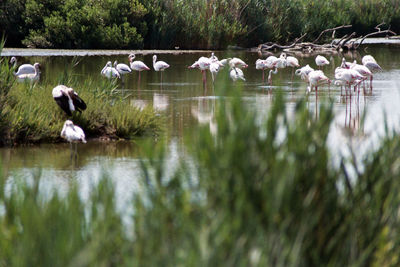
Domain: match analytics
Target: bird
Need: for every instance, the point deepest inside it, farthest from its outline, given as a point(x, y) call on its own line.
point(213, 57)
point(159, 65)
point(321, 61)
point(370, 62)
point(303, 72)
point(203, 63)
point(68, 100)
point(109, 71)
point(348, 77)
point(122, 68)
point(261, 64)
point(214, 68)
point(293, 63)
point(30, 76)
point(137, 65)
point(236, 74)
point(363, 70)
point(281, 63)
point(23, 69)
point(72, 133)
point(238, 63)
point(270, 75)
point(315, 78)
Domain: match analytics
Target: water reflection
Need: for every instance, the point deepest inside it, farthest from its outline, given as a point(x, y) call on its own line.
point(186, 101)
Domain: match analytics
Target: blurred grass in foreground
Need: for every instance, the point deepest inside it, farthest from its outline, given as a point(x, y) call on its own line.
point(259, 195)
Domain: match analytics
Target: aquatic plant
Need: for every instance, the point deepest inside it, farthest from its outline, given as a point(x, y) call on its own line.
point(253, 194)
point(30, 115)
point(193, 24)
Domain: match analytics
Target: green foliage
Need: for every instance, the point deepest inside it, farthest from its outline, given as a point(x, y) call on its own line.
point(30, 115)
point(254, 194)
point(187, 24)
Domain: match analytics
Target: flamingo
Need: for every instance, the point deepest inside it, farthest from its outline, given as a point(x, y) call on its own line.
point(23, 69)
point(321, 61)
point(270, 75)
point(370, 62)
point(159, 65)
point(303, 72)
point(236, 73)
point(238, 63)
point(213, 57)
point(261, 64)
point(281, 61)
point(363, 70)
point(348, 76)
point(73, 134)
point(68, 99)
point(203, 63)
point(293, 63)
point(30, 76)
point(214, 68)
point(109, 71)
point(122, 68)
point(315, 78)
point(137, 65)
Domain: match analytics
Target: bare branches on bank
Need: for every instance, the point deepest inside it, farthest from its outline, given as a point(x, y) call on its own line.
point(345, 42)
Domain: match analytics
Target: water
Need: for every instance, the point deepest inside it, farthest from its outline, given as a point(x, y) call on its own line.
point(185, 102)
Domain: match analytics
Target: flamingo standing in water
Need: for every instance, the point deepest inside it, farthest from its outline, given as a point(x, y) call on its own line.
point(109, 71)
point(122, 68)
point(137, 65)
point(261, 64)
point(236, 74)
point(67, 99)
point(303, 72)
point(30, 76)
point(159, 65)
point(73, 134)
point(23, 69)
point(238, 63)
point(370, 62)
point(315, 78)
point(321, 61)
point(203, 63)
point(293, 63)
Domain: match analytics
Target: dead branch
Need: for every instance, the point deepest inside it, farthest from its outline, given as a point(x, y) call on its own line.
point(274, 45)
point(333, 29)
point(388, 31)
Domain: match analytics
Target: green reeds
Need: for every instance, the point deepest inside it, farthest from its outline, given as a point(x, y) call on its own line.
point(254, 194)
point(30, 115)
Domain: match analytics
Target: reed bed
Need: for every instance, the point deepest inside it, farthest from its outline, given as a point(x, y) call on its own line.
point(30, 115)
point(258, 194)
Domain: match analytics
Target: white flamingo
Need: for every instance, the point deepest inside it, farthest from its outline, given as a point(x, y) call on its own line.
point(137, 65)
point(238, 63)
point(122, 68)
point(321, 61)
point(30, 76)
point(203, 63)
point(159, 65)
point(73, 134)
point(293, 63)
point(348, 77)
point(261, 64)
point(370, 62)
point(23, 69)
point(303, 72)
point(214, 68)
point(236, 73)
point(363, 70)
point(67, 99)
point(109, 71)
point(316, 78)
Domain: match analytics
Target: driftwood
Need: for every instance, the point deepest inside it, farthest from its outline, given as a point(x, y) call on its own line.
point(346, 42)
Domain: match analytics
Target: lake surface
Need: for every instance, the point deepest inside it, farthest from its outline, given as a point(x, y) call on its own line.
point(185, 101)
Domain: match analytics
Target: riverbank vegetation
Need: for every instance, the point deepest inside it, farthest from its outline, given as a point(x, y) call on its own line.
point(29, 113)
point(259, 194)
point(189, 24)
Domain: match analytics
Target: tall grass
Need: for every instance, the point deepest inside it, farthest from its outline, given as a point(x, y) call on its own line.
point(30, 115)
point(258, 194)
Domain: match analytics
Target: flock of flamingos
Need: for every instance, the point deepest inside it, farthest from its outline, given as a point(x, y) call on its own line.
point(347, 75)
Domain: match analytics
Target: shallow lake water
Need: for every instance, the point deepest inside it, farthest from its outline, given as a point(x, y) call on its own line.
point(185, 101)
